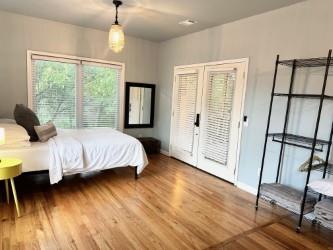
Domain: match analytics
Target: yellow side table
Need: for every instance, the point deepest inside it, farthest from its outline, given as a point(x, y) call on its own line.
point(10, 168)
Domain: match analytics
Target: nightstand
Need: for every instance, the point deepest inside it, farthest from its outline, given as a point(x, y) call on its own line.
point(9, 169)
point(150, 144)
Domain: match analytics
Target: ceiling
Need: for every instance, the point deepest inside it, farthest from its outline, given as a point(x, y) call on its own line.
point(155, 20)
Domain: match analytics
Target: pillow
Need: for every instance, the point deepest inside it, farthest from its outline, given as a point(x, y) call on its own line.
point(14, 133)
point(46, 131)
point(5, 120)
point(324, 187)
point(27, 119)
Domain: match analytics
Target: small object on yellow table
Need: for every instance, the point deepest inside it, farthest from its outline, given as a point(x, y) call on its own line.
point(10, 168)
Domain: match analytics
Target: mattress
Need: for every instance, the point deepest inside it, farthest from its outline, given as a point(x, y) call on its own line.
point(34, 158)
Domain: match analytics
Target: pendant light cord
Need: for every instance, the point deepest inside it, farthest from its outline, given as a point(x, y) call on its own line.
point(116, 22)
point(117, 4)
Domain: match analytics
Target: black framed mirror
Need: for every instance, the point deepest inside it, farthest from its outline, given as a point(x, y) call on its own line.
point(139, 105)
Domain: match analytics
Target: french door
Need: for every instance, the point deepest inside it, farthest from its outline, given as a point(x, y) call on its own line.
point(186, 106)
point(207, 114)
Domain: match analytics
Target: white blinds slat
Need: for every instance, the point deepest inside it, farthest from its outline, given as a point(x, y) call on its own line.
point(54, 92)
point(70, 101)
point(219, 114)
point(185, 110)
point(54, 59)
point(101, 102)
point(113, 66)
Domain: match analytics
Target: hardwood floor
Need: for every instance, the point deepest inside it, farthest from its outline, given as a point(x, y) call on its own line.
point(171, 206)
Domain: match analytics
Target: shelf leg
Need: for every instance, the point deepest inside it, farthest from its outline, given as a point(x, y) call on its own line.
point(267, 130)
point(315, 136)
point(328, 153)
point(285, 126)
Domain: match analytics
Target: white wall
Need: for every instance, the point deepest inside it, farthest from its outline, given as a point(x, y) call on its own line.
point(21, 33)
point(301, 30)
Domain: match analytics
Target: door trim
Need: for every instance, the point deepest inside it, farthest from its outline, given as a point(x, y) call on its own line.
point(245, 61)
point(240, 60)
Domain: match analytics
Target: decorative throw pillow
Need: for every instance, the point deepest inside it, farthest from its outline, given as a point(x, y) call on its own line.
point(46, 131)
point(324, 187)
point(27, 119)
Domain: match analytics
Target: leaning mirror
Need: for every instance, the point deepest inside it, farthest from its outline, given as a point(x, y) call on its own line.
point(139, 105)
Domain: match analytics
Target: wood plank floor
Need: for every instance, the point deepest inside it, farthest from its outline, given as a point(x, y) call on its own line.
point(171, 206)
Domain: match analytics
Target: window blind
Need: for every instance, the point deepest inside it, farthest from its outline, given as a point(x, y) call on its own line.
point(54, 92)
point(75, 93)
point(185, 110)
point(100, 95)
point(219, 111)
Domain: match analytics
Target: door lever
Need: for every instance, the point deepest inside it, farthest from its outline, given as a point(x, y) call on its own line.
point(197, 120)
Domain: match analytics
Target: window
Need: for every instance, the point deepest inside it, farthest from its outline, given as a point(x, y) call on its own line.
point(75, 92)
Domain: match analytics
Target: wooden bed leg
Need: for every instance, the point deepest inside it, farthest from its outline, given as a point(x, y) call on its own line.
point(136, 173)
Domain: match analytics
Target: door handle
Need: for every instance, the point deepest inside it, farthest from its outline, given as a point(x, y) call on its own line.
point(197, 120)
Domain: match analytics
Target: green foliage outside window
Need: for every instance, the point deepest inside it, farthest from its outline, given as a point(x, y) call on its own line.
point(57, 95)
point(100, 93)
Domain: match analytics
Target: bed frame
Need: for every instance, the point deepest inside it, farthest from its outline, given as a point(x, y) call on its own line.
point(136, 175)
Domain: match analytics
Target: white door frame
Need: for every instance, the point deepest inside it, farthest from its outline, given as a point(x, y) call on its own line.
point(245, 61)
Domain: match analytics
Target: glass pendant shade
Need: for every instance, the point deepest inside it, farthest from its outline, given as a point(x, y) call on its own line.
point(116, 38)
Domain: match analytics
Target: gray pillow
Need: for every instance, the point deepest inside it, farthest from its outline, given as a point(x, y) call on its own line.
point(46, 131)
point(27, 119)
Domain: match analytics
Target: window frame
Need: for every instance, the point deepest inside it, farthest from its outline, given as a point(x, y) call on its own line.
point(66, 58)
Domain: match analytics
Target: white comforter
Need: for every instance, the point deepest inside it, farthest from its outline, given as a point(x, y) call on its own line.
point(83, 150)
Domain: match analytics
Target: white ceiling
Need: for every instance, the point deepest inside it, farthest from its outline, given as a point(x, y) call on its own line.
point(155, 20)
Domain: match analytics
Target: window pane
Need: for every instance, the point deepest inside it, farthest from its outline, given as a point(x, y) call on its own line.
point(220, 96)
point(100, 96)
point(54, 92)
point(185, 111)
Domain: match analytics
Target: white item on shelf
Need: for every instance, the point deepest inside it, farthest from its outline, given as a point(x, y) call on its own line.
point(287, 197)
point(324, 213)
point(323, 186)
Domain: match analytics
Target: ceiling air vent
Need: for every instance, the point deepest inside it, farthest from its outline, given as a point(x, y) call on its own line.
point(187, 22)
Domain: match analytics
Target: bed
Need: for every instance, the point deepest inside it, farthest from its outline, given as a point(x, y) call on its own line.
point(81, 150)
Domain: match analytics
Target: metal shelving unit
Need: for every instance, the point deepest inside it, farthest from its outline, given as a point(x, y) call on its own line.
point(299, 141)
point(328, 170)
point(284, 138)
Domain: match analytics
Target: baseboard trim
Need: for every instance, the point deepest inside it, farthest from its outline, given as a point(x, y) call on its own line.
point(246, 188)
point(164, 152)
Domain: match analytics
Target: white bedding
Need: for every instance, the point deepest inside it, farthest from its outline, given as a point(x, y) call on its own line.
point(34, 158)
point(85, 150)
point(102, 148)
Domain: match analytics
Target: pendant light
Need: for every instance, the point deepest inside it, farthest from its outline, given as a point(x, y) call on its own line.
point(116, 34)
